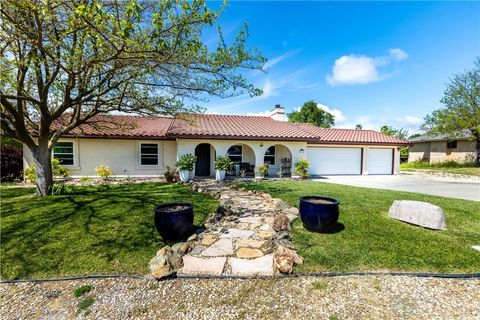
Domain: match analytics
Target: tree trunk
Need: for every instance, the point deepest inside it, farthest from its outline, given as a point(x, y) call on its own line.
point(477, 160)
point(43, 169)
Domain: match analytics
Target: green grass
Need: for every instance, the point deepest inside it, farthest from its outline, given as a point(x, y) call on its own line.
point(370, 241)
point(84, 304)
point(467, 168)
point(96, 229)
point(80, 291)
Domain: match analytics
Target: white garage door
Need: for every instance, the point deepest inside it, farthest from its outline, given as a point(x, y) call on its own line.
point(379, 161)
point(324, 161)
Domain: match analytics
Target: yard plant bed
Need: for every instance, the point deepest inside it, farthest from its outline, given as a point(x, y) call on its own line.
point(370, 241)
point(92, 230)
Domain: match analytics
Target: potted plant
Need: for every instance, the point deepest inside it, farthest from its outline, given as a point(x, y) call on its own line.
point(185, 165)
point(301, 167)
point(221, 165)
point(263, 169)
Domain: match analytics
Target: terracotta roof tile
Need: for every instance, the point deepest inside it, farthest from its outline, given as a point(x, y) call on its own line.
point(225, 126)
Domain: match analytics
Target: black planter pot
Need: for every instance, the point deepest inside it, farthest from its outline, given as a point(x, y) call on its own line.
point(174, 221)
point(319, 214)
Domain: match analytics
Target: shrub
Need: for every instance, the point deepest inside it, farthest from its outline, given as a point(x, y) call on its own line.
point(62, 188)
point(171, 175)
point(263, 169)
point(301, 167)
point(186, 162)
point(223, 163)
point(103, 171)
point(84, 179)
point(11, 163)
point(57, 168)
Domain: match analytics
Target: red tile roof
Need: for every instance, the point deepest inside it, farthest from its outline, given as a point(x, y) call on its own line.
point(334, 135)
point(225, 127)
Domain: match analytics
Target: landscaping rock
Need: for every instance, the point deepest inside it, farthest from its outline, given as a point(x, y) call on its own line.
point(418, 213)
point(201, 266)
point(281, 223)
point(250, 243)
point(223, 247)
point(208, 239)
point(159, 265)
point(252, 267)
point(249, 253)
point(237, 233)
point(285, 259)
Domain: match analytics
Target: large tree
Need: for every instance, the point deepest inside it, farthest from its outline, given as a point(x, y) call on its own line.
point(391, 131)
point(461, 111)
point(311, 113)
point(65, 61)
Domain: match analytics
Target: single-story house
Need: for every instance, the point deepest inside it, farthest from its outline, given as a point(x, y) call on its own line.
point(145, 146)
point(432, 149)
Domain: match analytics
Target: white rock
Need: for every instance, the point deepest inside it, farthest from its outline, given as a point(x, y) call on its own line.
point(251, 219)
point(418, 213)
point(223, 247)
point(237, 233)
point(210, 266)
point(250, 267)
point(476, 248)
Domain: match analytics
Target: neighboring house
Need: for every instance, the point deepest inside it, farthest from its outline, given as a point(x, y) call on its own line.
point(145, 146)
point(440, 148)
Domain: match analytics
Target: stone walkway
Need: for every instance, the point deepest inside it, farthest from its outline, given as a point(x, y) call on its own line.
point(246, 236)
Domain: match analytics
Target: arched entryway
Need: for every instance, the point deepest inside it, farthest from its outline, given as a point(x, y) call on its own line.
point(243, 158)
point(279, 160)
point(205, 154)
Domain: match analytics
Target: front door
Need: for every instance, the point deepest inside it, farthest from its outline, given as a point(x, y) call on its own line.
point(202, 167)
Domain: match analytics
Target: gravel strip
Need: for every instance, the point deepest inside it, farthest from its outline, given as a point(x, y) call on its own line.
point(348, 297)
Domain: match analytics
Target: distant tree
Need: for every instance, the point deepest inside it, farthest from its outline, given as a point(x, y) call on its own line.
point(358, 127)
point(63, 62)
point(414, 135)
point(461, 99)
point(311, 113)
point(398, 133)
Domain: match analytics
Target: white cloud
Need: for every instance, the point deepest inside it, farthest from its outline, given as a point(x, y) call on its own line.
point(361, 69)
point(271, 62)
point(398, 54)
point(339, 117)
point(265, 113)
point(410, 120)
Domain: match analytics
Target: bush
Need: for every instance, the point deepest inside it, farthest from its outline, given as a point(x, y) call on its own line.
point(61, 188)
point(301, 167)
point(103, 171)
point(186, 162)
point(57, 168)
point(171, 175)
point(263, 169)
point(223, 163)
point(84, 179)
point(11, 163)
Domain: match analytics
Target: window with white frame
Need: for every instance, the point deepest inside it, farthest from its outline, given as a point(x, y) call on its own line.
point(149, 154)
point(235, 154)
point(65, 152)
point(269, 157)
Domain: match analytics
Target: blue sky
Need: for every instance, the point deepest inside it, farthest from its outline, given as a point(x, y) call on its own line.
point(371, 63)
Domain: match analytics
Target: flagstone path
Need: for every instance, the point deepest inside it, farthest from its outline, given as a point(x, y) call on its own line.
point(246, 236)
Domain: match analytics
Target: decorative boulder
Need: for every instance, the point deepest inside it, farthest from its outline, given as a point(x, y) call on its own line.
point(418, 213)
point(286, 258)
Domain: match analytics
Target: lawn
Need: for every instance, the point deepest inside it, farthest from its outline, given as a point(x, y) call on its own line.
point(370, 241)
point(468, 169)
point(97, 229)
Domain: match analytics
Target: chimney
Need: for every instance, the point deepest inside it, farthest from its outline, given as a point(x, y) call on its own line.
point(278, 113)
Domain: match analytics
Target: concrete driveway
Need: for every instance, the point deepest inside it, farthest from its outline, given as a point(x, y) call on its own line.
point(461, 190)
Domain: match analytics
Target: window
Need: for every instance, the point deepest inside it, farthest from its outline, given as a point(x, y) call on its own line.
point(235, 154)
point(452, 144)
point(63, 151)
point(269, 157)
point(149, 154)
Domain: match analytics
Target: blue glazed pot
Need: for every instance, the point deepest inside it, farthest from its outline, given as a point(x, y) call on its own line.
point(174, 221)
point(318, 213)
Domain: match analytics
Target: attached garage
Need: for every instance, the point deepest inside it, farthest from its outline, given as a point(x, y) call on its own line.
point(330, 161)
point(380, 161)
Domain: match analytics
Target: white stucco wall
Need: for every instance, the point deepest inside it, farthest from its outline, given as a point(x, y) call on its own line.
point(122, 156)
point(187, 146)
